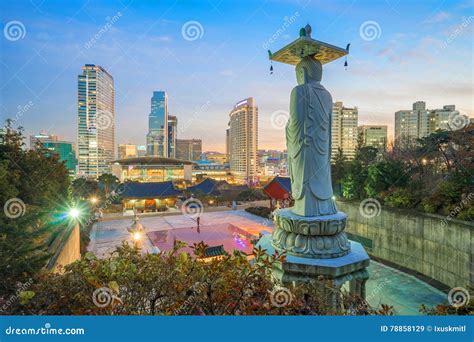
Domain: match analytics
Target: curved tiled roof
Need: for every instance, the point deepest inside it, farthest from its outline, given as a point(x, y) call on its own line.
point(149, 190)
point(152, 161)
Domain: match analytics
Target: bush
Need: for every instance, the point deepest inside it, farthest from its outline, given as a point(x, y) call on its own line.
point(400, 198)
point(251, 195)
point(176, 283)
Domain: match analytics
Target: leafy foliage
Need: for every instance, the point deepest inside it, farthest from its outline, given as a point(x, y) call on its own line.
point(251, 195)
point(432, 174)
point(177, 283)
point(38, 183)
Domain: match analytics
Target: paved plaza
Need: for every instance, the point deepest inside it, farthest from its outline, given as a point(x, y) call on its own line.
point(385, 285)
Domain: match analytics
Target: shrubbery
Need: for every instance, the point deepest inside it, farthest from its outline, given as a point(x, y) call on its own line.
point(177, 283)
point(432, 174)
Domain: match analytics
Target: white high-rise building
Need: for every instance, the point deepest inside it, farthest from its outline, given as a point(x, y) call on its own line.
point(344, 130)
point(412, 124)
point(96, 121)
point(421, 122)
point(243, 140)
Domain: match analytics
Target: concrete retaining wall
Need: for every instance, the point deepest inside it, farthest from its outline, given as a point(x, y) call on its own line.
point(66, 250)
point(420, 242)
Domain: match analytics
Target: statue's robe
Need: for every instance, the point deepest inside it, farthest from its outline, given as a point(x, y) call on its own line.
point(308, 140)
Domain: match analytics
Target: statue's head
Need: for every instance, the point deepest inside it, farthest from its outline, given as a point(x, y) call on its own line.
point(308, 70)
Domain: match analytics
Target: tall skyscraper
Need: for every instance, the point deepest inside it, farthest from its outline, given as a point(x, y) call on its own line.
point(243, 140)
point(188, 149)
point(412, 124)
point(64, 149)
point(172, 135)
point(344, 130)
point(421, 122)
point(157, 137)
point(96, 121)
point(372, 135)
point(227, 143)
point(127, 151)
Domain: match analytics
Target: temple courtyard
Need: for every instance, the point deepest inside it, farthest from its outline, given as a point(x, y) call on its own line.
point(234, 229)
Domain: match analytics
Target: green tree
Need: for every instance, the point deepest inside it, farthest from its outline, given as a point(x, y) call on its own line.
point(109, 182)
point(385, 174)
point(33, 189)
point(83, 188)
point(338, 170)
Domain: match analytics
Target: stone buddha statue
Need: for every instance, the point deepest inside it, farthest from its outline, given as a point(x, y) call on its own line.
point(308, 140)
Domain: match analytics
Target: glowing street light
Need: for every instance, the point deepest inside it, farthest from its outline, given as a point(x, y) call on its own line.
point(137, 236)
point(74, 213)
point(93, 200)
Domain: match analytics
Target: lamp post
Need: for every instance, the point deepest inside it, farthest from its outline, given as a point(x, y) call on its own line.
point(137, 231)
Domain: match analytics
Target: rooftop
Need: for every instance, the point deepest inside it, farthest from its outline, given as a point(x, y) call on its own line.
point(152, 161)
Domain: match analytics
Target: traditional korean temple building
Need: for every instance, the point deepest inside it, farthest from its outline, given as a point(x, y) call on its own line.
point(279, 191)
point(146, 197)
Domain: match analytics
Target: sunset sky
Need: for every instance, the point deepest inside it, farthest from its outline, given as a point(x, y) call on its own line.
point(421, 50)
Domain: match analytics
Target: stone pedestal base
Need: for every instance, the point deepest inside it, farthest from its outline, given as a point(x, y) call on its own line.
point(310, 237)
point(317, 246)
point(348, 268)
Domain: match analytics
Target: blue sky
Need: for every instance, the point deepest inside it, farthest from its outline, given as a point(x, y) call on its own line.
point(422, 50)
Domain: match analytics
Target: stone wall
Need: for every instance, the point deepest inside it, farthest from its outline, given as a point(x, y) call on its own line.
point(66, 249)
point(423, 243)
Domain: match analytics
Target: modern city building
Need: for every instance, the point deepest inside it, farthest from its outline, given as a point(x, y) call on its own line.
point(96, 121)
point(64, 149)
point(227, 143)
point(127, 151)
point(372, 135)
point(440, 118)
point(243, 140)
point(152, 169)
point(421, 122)
point(216, 157)
point(344, 130)
point(206, 169)
point(141, 150)
point(157, 137)
point(172, 135)
point(412, 124)
point(188, 149)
